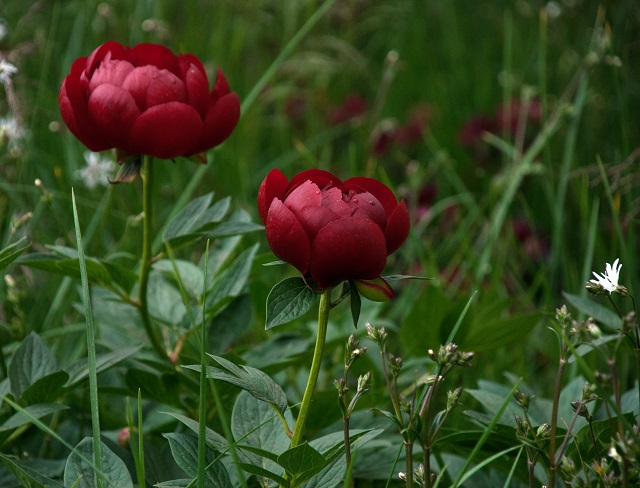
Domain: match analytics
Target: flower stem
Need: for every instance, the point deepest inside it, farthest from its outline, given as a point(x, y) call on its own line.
point(147, 209)
point(323, 319)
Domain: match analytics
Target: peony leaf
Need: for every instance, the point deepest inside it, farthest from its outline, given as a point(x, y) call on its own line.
point(288, 300)
point(300, 459)
point(186, 221)
point(79, 472)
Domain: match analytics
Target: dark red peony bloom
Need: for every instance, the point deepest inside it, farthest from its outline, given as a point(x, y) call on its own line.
point(146, 100)
point(329, 229)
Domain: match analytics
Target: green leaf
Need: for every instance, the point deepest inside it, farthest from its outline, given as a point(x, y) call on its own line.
point(28, 477)
point(67, 264)
point(356, 303)
point(79, 471)
point(232, 280)
point(489, 334)
point(12, 252)
point(264, 473)
point(184, 448)
point(591, 308)
point(185, 221)
point(300, 459)
point(227, 229)
point(288, 300)
point(255, 424)
point(255, 382)
point(31, 361)
point(46, 389)
point(31, 412)
point(231, 324)
point(213, 439)
point(79, 371)
point(190, 275)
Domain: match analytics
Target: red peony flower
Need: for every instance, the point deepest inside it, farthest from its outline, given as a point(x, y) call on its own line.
point(146, 100)
point(332, 230)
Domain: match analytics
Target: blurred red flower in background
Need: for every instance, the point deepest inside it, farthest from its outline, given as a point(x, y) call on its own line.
point(146, 100)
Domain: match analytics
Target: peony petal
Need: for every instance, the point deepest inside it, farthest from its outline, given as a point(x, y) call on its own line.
point(287, 238)
point(377, 189)
point(113, 72)
point(113, 112)
point(220, 87)
point(197, 85)
point(108, 50)
point(73, 108)
point(273, 186)
point(219, 123)
point(156, 55)
point(347, 249)
point(151, 86)
point(314, 218)
point(165, 131)
point(365, 205)
point(320, 177)
point(304, 195)
point(398, 227)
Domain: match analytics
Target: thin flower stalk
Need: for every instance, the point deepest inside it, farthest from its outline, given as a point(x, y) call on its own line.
point(323, 320)
point(146, 260)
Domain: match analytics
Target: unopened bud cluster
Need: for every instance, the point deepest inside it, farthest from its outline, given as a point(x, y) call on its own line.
point(448, 355)
point(353, 351)
point(379, 336)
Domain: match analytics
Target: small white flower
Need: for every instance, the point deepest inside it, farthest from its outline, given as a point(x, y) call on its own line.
point(97, 171)
point(9, 129)
point(609, 279)
point(4, 30)
point(7, 70)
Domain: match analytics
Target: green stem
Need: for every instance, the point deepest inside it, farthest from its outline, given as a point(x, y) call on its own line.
point(147, 209)
point(323, 319)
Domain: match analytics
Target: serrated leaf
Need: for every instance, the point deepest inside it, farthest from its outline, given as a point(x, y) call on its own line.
point(12, 252)
point(186, 219)
point(252, 380)
point(300, 459)
point(289, 299)
point(184, 448)
point(80, 474)
point(29, 413)
point(45, 389)
point(28, 477)
point(591, 308)
point(31, 361)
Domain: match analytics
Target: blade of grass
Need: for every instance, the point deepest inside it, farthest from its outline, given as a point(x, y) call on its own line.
point(202, 402)
point(485, 435)
point(214, 390)
point(91, 348)
point(137, 449)
point(50, 432)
